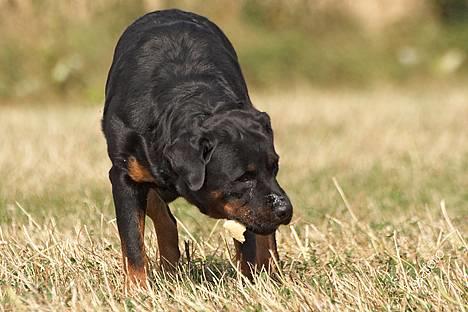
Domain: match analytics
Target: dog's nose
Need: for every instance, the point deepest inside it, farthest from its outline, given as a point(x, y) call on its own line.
point(281, 207)
point(283, 213)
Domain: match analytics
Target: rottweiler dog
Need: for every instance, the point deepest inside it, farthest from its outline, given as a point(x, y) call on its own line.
point(179, 122)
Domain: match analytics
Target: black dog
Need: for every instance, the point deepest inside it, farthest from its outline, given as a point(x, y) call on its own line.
point(178, 121)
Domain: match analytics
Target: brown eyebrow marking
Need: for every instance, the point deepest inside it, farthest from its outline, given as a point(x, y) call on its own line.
point(137, 172)
point(216, 194)
point(251, 167)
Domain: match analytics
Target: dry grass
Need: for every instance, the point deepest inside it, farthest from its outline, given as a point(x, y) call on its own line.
point(388, 233)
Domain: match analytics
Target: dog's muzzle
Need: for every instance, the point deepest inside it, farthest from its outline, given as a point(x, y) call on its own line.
point(281, 207)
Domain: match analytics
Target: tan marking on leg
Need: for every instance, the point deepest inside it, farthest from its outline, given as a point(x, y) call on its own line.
point(136, 275)
point(137, 172)
point(266, 246)
point(166, 231)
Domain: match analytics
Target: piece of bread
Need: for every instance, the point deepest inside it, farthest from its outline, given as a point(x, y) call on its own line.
point(235, 229)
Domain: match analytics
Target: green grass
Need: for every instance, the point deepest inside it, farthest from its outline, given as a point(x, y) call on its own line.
point(398, 157)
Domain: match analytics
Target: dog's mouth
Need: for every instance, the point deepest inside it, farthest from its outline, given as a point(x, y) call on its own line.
point(258, 223)
point(264, 228)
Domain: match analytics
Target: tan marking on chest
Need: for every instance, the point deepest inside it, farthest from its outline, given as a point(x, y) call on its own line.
point(137, 172)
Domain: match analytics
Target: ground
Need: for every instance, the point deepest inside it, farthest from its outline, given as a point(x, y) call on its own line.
point(378, 179)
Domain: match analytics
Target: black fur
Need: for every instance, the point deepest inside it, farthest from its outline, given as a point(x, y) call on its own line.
point(176, 100)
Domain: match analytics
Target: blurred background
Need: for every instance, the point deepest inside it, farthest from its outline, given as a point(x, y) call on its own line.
point(369, 106)
point(57, 50)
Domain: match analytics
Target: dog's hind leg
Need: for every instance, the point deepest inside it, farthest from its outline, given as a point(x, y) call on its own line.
point(166, 230)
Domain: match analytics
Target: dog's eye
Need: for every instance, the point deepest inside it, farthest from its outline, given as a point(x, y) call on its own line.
point(233, 195)
point(247, 176)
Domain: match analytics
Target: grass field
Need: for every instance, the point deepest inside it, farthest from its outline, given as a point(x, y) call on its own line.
point(379, 181)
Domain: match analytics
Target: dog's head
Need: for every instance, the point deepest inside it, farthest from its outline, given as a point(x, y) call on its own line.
point(227, 167)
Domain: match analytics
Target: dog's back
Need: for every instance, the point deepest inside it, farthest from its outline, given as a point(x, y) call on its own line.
point(165, 54)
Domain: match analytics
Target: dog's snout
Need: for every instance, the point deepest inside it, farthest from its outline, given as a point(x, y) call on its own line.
point(283, 212)
point(281, 207)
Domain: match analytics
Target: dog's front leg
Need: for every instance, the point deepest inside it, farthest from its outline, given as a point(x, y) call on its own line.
point(130, 205)
point(267, 252)
point(245, 253)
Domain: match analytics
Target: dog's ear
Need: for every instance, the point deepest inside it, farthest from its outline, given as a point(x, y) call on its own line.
point(188, 156)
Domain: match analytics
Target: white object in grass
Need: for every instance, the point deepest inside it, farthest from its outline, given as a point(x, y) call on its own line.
point(235, 229)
